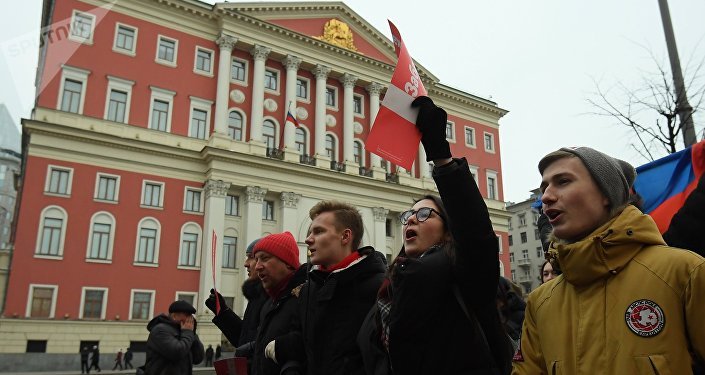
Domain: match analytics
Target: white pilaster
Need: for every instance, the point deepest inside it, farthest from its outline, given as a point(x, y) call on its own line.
point(290, 202)
point(321, 73)
point(226, 44)
point(213, 220)
point(375, 89)
point(253, 224)
point(348, 81)
point(380, 238)
point(260, 54)
point(292, 66)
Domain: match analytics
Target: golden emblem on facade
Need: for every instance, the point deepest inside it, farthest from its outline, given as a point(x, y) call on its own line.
point(338, 33)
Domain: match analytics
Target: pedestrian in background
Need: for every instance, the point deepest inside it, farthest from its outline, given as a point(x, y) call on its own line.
point(95, 359)
point(128, 358)
point(118, 360)
point(84, 360)
point(173, 346)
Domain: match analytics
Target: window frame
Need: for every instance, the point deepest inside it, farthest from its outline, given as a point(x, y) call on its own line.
point(161, 194)
point(30, 294)
point(119, 84)
point(151, 303)
point(227, 198)
point(200, 200)
point(336, 147)
point(158, 60)
point(246, 64)
point(133, 51)
point(211, 65)
point(361, 162)
point(164, 96)
point(452, 131)
point(484, 142)
point(276, 135)
point(111, 238)
point(104, 303)
point(307, 98)
point(187, 293)
point(360, 114)
point(336, 97)
point(492, 175)
point(277, 78)
point(199, 240)
point(136, 261)
point(200, 105)
point(77, 38)
point(243, 128)
point(40, 233)
point(234, 252)
point(69, 183)
point(116, 197)
point(472, 144)
point(306, 143)
point(265, 203)
point(75, 74)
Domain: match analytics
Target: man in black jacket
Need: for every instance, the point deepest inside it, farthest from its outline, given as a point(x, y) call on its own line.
point(173, 346)
point(332, 306)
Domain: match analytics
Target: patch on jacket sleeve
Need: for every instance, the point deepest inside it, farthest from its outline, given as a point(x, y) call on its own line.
point(295, 292)
point(518, 357)
point(645, 318)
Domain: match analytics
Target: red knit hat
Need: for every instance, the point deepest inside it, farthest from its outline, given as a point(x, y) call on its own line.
point(282, 246)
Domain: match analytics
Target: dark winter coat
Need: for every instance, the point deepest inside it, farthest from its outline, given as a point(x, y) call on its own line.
point(686, 228)
point(256, 298)
point(511, 309)
point(429, 332)
point(170, 350)
point(332, 307)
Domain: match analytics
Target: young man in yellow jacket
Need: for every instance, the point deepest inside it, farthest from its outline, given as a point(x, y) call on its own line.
point(626, 303)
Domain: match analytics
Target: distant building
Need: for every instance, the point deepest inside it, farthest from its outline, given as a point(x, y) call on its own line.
point(9, 168)
point(525, 251)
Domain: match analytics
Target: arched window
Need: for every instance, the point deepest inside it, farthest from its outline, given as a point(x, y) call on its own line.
point(301, 143)
point(269, 134)
point(358, 153)
point(235, 125)
point(330, 147)
point(52, 230)
point(101, 237)
point(190, 252)
point(147, 248)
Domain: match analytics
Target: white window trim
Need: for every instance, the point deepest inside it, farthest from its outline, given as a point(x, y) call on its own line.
point(163, 95)
point(493, 142)
point(111, 240)
point(41, 231)
point(194, 294)
point(499, 242)
point(362, 106)
point(117, 49)
point(453, 135)
point(135, 262)
point(151, 302)
point(336, 144)
point(493, 174)
point(79, 39)
point(200, 203)
point(76, 74)
point(277, 133)
point(247, 71)
point(161, 196)
point(279, 81)
point(474, 172)
point(203, 105)
point(30, 293)
point(362, 151)
point(231, 232)
point(307, 99)
point(198, 246)
point(176, 51)
point(307, 133)
point(244, 122)
point(83, 301)
point(51, 167)
point(209, 72)
point(97, 186)
point(336, 99)
point(474, 137)
point(119, 84)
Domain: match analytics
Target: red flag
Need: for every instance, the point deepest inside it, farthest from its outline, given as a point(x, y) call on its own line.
point(214, 241)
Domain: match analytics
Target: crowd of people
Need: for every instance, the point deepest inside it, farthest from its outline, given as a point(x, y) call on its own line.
point(615, 297)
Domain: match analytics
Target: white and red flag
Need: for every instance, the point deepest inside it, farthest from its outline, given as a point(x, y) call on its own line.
point(394, 135)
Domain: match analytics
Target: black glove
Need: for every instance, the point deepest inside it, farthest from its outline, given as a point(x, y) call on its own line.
point(246, 350)
point(431, 122)
point(210, 302)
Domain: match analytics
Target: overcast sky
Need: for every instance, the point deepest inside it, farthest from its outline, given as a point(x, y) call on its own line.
point(538, 59)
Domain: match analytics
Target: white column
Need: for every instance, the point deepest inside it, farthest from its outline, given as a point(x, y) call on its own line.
point(213, 220)
point(374, 89)
point(380, 238)
point(292, 66)
point(226, 43)
point(321, 73)
point(253, 221)
point(290, 202)
point(260, 54)
point(348, 81)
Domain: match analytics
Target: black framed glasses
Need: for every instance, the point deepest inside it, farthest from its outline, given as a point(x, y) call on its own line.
point(422, 214)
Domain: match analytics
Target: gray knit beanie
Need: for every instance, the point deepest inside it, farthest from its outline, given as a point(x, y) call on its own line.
point(614, 177)
point(251, 246)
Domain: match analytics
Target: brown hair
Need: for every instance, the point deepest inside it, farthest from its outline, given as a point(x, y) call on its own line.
point(346, 217)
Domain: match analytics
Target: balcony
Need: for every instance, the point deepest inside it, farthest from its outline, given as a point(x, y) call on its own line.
point(275, 153)
point(392, 177)
point(307, 159)
point(365, 172)
point(525, 262)
point(337, 166)
point(525, 278)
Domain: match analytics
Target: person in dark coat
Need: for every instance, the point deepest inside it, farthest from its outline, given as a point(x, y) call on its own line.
point(511, 307)
point(209, 356)
point(118, 360)
point(218, 352)
point(173, 346)
point(281, 275)
point(84, 360)
point(95, 359)
point(437, 310)
point(333, 304)
point(128, 358)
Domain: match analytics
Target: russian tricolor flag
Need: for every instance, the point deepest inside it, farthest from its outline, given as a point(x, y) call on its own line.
point(292, 119)
point(664, 184)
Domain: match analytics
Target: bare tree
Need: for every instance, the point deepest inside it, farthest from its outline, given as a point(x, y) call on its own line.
point(651, 111)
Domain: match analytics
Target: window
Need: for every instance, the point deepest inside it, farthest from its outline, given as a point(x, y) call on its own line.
point(141, 303)
point(525, 254)
point(36, 346)
point(93, 303)
point(152, 194)
point(358, 153)
point(330, 147)
point(510, 223)
point(82, 25)
point(204, 61)
point(269, 134)
point(147, 241)
point(357, 104)
point(268, 210)
point(331, 97)
point(522, 220)
point(514, 275)
point(450, 131)
point(72, 91)
point(58, 180)
point(229, 251)
point(50, 237)
point(511, 258)
point(189, 297)
point(271, 79)
point(107, 187)
point(492, 190)
point(117, 100)
point(198, 124)
point(189, 254)
point(160, 109)
point(523, 237)
point(489, 142)
point(100, 244)
point(71, 96)
point(300, 140)
point(125, 39)
point(238, 69)
point(235, 125)
point(537, 234)
point(469, 137)
point(192, 200)
point(388, 227)
point(232, 205)
point(41, 301)
point(539, 252)
point(167, 50)
point(302, 88)
point(511, 240)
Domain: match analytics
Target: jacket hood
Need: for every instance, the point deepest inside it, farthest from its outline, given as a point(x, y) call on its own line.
point(609, 248)
point(252, 289)
point(161, 318)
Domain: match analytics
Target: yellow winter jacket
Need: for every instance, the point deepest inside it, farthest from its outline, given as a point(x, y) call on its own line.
point(625, 304)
